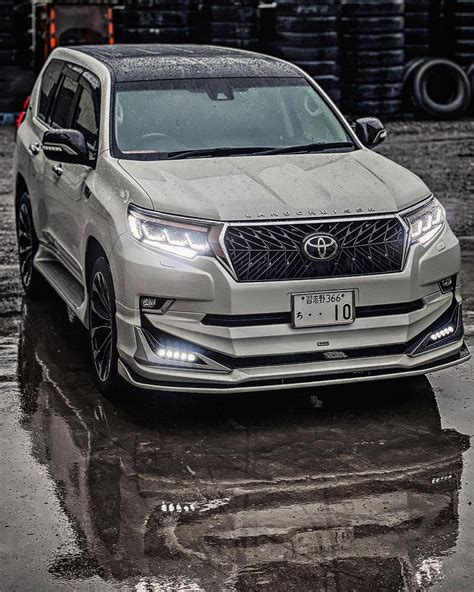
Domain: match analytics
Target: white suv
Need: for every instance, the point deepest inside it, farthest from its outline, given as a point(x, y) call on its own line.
point(218, 226)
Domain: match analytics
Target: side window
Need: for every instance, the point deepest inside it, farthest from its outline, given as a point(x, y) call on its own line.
point(64, 105)
point(86, 116)
point(48, 88)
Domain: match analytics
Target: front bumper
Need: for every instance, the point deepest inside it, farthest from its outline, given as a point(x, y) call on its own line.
point(300, 375)
point(377, 345)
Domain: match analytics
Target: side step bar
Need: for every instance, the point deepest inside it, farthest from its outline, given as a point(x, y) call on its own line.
point(63, 282)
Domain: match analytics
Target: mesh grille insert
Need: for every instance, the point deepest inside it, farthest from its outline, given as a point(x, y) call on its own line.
point(270, 252)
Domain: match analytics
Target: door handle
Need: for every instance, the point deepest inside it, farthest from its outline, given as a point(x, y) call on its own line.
point(57, 170)
point(35, 148)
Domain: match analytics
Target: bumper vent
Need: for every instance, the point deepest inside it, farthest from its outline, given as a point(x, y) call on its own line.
point(272, 252)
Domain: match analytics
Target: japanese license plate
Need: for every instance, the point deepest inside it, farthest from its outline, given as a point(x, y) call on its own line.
point(312, 309)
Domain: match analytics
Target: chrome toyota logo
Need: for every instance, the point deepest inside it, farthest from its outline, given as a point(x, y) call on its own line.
point(320, 247)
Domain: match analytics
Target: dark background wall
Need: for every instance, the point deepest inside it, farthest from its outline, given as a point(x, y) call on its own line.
point(371, 56)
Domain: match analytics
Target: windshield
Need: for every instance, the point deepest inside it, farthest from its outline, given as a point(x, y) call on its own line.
point(153, 120)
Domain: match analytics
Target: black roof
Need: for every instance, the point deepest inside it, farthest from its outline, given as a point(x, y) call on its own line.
point(158, 62)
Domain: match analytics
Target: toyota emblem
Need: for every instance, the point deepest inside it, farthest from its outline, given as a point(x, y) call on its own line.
point(320, 247)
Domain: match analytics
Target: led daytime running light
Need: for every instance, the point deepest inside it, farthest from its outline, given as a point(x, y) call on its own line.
point(184, 240)
point(426, 222)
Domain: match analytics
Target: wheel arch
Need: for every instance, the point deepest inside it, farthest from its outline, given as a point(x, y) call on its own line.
point(20, 188)
point(94, 249)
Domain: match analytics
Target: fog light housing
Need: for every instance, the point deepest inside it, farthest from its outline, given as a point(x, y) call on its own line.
point(447, 329)
point(160, 349)
point(155, 304)
point(447, 284)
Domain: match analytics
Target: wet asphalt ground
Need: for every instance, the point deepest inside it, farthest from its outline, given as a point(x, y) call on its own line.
point(336, 489)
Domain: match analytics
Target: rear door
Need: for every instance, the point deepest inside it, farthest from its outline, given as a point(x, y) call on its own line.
point(31, 136)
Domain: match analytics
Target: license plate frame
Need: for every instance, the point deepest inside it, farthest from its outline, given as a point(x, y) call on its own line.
point(304, 302)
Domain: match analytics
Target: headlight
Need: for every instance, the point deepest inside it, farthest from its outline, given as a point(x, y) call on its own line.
point(426, 222)
point(185, 240)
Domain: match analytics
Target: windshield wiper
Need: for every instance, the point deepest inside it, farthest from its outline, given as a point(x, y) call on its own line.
point(221, 151)
point(314, 147)
point(262, 150)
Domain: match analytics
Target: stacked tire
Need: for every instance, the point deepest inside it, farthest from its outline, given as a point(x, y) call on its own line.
point(422, 28)
point(155, 21)
point(7, 34)
point(231, 23)
point(460, 24)
point(306, 34)
point(15, 54)
point(437, 88)
point(372, 45)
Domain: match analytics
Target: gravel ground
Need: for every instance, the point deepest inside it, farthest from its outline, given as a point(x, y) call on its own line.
point(352, 493)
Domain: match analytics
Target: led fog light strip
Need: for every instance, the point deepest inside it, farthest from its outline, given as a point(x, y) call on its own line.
point(177, 355)
point(443, 333)
point(155, 351)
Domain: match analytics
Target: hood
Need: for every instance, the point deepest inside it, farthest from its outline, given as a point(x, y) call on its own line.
point(279, 186)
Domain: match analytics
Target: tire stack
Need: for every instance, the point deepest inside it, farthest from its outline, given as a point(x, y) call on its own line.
point(422, 28)
point(459, 16)
point(231, 23)
point(372, 45)
point(155, 21)
point(306, 34)
point(15, 54)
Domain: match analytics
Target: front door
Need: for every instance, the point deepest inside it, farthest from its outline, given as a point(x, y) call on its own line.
point(65, 185)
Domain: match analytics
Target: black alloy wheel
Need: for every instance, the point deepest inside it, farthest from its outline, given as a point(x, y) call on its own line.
point(103, 328)
point(28, 244)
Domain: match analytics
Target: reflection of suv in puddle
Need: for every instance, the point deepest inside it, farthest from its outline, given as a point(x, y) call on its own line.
point(218, 225)
point(215, 492)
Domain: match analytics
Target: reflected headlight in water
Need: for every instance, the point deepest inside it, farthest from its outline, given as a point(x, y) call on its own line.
point(184, 240)
point(426, 222)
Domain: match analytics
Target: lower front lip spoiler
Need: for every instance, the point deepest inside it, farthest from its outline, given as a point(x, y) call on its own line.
point(293, 383)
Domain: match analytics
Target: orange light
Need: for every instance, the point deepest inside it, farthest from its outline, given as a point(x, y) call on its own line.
point(110, 28)
point(52, 28)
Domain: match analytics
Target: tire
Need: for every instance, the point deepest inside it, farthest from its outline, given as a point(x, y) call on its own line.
point(232, 13)
point(373, 7)
point(329, 68)
point(418, 20)
point(329, 83)
point(309, 40)
point(235, 30)
point(470, 76)
point(464, 19)
point(379, 75)
point(385, 24)
point(310, 10)
point(308, 54)
point(411, 68)
point(376, 41)
point(394, 57)
point(33, 282)
point(373, 92)
point(368, 108)
point(159, 35)
point(294, 24)
point(103, 329)
point(151, 18)
point(440, 88)
point(418, 5)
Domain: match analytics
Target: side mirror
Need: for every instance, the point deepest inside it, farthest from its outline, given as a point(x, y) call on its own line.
point(370, 131)
point(66, 145)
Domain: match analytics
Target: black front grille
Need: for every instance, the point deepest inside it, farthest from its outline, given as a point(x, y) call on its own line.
point(270, 252)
